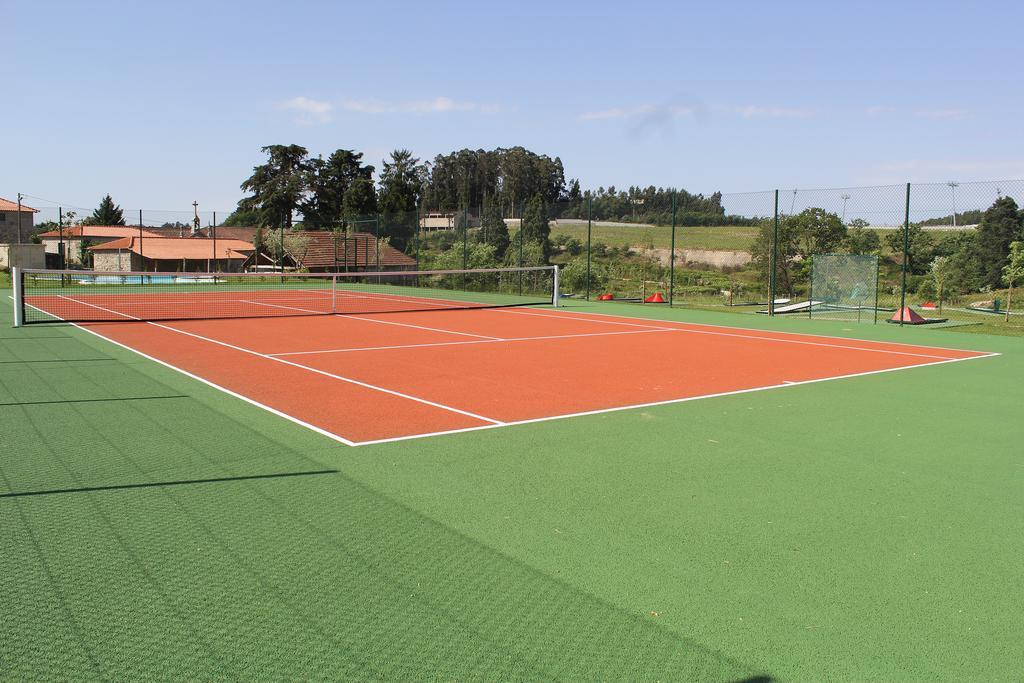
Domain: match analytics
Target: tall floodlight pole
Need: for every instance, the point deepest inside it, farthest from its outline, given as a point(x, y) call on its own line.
point(19, 217)
point(846, 198)
point(952, 188)
point(792, 205)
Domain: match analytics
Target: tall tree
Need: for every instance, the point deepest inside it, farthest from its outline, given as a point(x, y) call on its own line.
point(535, 225)
point(493, 230)
point(278, 186)
point(107, 213)
point(1013, 272)
point(360, 199)
point(328, 182)
point(812, 231)
point(1000, 225)
point(920, 247)
point(400, 183)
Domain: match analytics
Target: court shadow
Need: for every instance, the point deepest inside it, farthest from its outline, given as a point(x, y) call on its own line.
point(56, 360)
point(155, 484)
point(90, 400)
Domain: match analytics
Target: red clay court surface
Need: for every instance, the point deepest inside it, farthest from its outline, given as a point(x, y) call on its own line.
point(364, 379)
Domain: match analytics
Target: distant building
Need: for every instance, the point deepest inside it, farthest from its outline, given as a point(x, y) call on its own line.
point(9, 221)
point(73, 237)
point(171, 255)
point(245, 233)
point(328, 252)
point(437, 221)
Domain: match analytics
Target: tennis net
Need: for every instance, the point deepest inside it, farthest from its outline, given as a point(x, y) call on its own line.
point(89, 296)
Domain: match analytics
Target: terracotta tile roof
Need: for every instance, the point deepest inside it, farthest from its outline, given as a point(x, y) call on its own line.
point(108, 231)
point(8, 205)
point(245, 233)
point(173, 248)
point(171, 232)
point(354, 251)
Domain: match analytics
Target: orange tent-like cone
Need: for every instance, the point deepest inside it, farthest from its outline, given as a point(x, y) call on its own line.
point(605, 297)
point(655, 298)
point(909, 317)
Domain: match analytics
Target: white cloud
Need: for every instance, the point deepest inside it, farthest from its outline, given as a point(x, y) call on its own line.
point(936, 113)
point(941, 114)
point(879, 109)
point(664, 112)
point(751, 111)
point(673, 110)
point(308, 111)
point(436, 105)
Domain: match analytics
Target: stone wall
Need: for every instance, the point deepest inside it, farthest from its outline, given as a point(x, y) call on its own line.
point(22, 256)
point(113, 261)
point(9, 226)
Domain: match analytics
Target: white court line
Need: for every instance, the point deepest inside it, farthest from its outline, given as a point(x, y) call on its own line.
point(771, 339)
point(532, 420)
point(422, 327)
point(229, 392)
point(600, 411)
point(341, 378)
point(290, 308)
point(561, 312)
point(459, 343)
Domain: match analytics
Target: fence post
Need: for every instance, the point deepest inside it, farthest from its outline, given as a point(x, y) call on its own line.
point(590, 207)
point(672, 255)
point(213, 233)
point(465, 237)
point(906, 255)
point(877, 270)
point(62, 247)
point(521, 239)
point(142, 266)
point(773, 259)
point(419, 237)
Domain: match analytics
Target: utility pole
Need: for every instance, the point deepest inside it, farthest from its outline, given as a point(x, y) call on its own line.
point(952, 188)
point(846, 198)
point(19, 217)
point(792, 205)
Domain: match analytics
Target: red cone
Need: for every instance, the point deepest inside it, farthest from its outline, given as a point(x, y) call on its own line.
point(654, 299)
point(908, 316)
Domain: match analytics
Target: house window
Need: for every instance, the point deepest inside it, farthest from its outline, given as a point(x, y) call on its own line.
point(3, 217)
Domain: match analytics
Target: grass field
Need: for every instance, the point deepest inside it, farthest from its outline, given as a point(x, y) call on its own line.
point(725, 237)
point(871, 528)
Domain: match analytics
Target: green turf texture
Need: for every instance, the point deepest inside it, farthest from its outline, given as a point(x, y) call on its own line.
point(863, 529)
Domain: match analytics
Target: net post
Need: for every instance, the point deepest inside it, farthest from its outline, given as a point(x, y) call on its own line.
point(555, 295)
point(19, 299)
point(334, 293)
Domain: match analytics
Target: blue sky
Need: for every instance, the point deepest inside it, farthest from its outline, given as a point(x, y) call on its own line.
point(164, 103)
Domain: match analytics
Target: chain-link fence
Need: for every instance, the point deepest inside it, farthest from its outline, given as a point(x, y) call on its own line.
point(941, 252)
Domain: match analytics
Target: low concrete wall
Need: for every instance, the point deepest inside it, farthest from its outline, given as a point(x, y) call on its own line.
point(22, 256)
point(710, 257)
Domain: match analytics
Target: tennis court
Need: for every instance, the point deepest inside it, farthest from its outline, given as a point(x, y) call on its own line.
point(789, 527)
point(426, 354)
